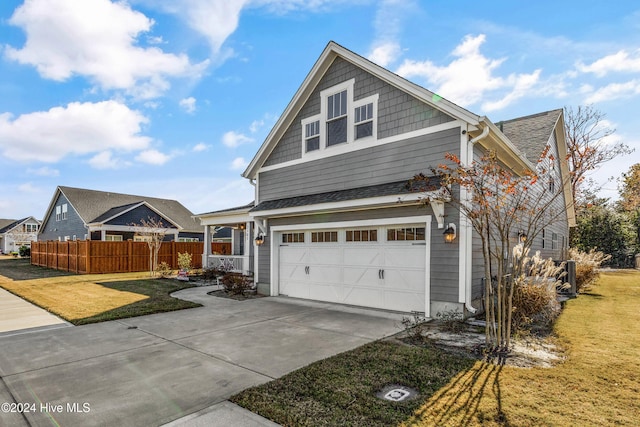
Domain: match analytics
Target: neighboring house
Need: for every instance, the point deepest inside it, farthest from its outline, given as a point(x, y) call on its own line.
point(332, 212)
point(80, 214)
point(16, 233)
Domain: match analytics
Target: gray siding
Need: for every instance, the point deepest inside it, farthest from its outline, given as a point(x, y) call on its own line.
point(444, 257)
point(73, 225)
point(370, 166)
point(398, 112)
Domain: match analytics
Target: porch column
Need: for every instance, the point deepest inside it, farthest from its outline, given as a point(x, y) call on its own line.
point(248, 247)
point(206, 249)
point(103, 235)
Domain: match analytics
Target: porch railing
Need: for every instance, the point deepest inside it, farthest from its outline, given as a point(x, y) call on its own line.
point(238, 263)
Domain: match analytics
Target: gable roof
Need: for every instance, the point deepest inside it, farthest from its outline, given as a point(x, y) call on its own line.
point(93, 205)
point(7, 225)
point(330, 53)
point(530, 134)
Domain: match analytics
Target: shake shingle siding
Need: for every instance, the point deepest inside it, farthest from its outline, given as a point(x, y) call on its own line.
point(73, 225)
point(398, 112)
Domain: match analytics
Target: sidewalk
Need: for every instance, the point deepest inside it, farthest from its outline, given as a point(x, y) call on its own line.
point(18, 315)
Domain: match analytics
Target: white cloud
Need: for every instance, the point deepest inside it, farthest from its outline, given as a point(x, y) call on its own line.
point(96, 39)
point(385, 53)
point(614, 91)
point(239, 163)
point(28, 187)
point(233, 139)
point(468, 78)
point(104, 160)
point(521, 85)
point(388, 25)
point(201, 146)
point(77, 129)
point(621, 61)
point(153, 157)
point(44, 171)
point(188, 104)
point(256, 125)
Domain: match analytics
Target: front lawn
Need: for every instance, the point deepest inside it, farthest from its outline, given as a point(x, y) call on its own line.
point(91, 298)
point(598, 384)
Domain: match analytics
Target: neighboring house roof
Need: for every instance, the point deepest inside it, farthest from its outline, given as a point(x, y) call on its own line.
point(95, 206)
point(386, 189)
point(531, 133)
point(7, 225)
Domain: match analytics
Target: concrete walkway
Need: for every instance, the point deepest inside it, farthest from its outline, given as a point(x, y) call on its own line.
point(178, 367)
point(18, 315)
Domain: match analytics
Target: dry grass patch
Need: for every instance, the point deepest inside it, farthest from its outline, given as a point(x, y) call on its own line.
point(598, 384)
point(82, 299)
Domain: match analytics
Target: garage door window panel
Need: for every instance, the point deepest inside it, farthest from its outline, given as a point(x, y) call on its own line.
point(293, 238)
point(324, 236)
point(406, 234)
point(362, 235)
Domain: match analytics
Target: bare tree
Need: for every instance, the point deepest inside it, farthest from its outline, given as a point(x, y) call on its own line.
point(507, 211)
point(588, 143)
point(152, 231)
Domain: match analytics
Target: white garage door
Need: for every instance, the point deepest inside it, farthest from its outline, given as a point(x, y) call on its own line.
point(380, 267)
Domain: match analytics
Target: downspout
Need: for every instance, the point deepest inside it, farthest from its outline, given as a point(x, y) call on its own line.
point(469, 291)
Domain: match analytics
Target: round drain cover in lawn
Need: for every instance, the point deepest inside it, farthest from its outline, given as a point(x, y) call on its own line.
point(397, 393)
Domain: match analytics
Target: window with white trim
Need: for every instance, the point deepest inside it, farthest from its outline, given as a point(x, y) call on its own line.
point(31, 228)
point(312, 136)
point(58, 213)
point(363, 121)
point(342, 120)
point(188, 239)
point(64, 211)
point(113, 238)
point(337, 118)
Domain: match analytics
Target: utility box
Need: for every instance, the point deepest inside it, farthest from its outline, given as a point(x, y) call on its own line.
point(638, 261)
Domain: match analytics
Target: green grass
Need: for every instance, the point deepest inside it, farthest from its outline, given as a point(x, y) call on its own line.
point(598, 384)
point(91, 298)
point(341, 390)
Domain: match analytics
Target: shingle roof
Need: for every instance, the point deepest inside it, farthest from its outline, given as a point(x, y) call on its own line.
point(8, 224)
point(93, 204)
point(388, 189)
point(530, 134)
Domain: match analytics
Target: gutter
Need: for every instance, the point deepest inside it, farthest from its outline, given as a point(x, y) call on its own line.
point(468, 289)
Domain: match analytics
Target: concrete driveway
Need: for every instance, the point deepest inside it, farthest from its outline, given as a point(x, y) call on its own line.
point(151, 370)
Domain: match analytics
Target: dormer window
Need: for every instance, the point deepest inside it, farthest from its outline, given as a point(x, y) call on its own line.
point(342, 120)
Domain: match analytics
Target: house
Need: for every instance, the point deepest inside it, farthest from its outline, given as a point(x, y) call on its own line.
point(16, 233)
point(81, 214)
point(333, 219)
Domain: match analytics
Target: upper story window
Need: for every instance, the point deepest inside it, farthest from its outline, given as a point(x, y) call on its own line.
point(64, 211)
point(312, 136)
point(58, 213)
point(364, 121)
point(31, 228)
point(342, 120)
point(337, 118)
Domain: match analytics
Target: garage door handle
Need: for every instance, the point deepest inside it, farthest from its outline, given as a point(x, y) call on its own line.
point(306, 270)
point(419, 244)
point(380, 274)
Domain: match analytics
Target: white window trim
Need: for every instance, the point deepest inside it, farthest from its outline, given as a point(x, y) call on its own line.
point(324, 150)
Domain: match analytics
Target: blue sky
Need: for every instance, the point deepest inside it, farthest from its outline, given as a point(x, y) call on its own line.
point(173, 98)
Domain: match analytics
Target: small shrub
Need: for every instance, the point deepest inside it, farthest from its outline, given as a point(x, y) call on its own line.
point(164, 270)
point(24, 251)
point(210, 274)
point(587, 265)
point(237, 283)
point(414, 326)
point(184, 261)
point(451, 321)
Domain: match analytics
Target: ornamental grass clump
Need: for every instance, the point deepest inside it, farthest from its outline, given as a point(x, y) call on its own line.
point(587, 265)
point(535, 293)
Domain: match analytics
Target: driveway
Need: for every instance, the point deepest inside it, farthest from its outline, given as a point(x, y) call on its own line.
point(150, 370)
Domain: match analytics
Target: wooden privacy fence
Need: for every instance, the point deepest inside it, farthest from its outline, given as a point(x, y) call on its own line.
point(93, 256)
